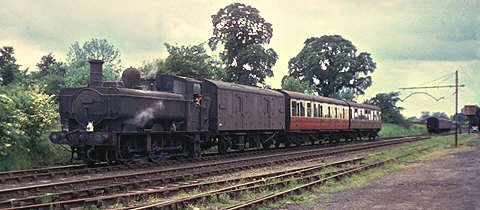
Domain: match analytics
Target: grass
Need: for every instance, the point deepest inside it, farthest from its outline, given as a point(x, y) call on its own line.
point(389, 130)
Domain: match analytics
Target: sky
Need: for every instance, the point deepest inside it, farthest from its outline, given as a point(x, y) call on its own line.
point(413, 43)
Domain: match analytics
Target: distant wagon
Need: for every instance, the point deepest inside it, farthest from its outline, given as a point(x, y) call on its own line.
point(438, 125)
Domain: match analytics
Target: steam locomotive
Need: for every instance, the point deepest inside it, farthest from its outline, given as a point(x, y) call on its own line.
point(165, 116)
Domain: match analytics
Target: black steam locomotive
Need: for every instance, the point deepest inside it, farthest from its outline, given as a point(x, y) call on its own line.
point(165, 116)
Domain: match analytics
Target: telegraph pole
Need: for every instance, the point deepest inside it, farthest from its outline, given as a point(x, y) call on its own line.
point(456, 86)
point(456, 108)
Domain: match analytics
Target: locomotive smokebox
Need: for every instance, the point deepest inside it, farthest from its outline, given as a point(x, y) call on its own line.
point(96, 75)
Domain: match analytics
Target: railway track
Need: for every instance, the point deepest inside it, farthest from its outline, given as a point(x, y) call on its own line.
point(50, 173)
point(82, 189)
point(309, 176)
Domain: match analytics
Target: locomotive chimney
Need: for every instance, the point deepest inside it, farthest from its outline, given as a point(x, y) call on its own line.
point(96, 77)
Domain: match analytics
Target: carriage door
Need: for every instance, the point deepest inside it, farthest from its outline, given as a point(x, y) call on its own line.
point(239, 102)
point(267, 113)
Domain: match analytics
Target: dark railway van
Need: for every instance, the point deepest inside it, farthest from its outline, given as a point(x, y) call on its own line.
point(438, 125)
point(237, 107)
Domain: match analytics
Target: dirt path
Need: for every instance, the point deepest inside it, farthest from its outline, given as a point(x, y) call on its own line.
point(447, 182)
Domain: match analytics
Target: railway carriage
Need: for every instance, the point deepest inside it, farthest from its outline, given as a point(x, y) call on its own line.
point(365, 120)
point(308, 113)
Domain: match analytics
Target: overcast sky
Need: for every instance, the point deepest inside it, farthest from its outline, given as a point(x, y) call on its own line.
point(413, 42)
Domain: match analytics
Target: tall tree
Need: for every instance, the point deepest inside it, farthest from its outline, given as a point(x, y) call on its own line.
point(77, 61)
point(243, 32)
point(331, 63)
point(9, 71)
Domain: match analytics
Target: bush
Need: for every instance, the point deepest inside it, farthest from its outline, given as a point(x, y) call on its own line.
point(27, 115)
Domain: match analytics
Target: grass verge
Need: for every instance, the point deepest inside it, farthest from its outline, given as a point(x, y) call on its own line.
point(390, 130)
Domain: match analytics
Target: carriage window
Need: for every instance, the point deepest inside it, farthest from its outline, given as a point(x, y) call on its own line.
point(321, 110)
point(336, 115)
point(315, 110)
point(302, 109)
point(294, 108)
point(344, 113)
point(309, 110)
point(329, 113)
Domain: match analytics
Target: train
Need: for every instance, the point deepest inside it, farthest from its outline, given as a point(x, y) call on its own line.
point(165, 116)
point(438, 125)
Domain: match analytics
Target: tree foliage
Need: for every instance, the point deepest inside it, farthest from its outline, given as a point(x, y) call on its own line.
point(77, 74)
point(427, 114)
point(9, 70)
point(331, 63)
point(243, 32)
point(27, 114)
point(190, 61)
point(295, 84)
point(390, 111)
point(51, 74)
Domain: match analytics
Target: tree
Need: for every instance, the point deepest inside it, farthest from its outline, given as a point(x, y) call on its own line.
point(77, 74)
point(242, 31)
point(295, 84)
point(390, 111)
point(190, 61)
point(152, 67)
point(9, 71)
point(425, 115)
point(51, 74)
point(331, 63)
point(440, 115)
